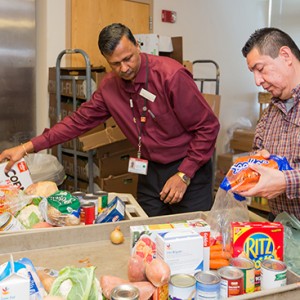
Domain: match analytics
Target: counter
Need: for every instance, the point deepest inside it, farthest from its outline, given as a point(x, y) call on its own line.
point(56, 248)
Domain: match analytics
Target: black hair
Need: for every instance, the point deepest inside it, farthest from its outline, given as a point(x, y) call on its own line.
point(268, 41)
point(111, 35)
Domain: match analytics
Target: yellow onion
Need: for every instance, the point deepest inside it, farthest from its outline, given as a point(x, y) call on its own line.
point(117, 236)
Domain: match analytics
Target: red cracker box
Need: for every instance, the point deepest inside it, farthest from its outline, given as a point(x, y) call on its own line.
point(257, 241)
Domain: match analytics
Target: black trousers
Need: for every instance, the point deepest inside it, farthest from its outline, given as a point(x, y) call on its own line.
point(198, 196)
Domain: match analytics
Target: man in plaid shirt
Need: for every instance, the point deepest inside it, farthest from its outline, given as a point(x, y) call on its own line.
point(274, 59)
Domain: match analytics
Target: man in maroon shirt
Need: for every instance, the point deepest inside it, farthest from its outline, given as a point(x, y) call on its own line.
point(159, 108)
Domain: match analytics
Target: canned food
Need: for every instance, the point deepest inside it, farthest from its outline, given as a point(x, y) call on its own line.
point(273, 274)
point(9, 223)
point(232, 281)
point(182, 287)
point(124, 292)
point(246, 265)
point(79, 195)
point(91, 198)
point(207, 285)
point(102, 200)
point(87, 213)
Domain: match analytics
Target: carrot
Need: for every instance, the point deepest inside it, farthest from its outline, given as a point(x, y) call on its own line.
point(220, 254)
point(220, 247)
point(215, 264)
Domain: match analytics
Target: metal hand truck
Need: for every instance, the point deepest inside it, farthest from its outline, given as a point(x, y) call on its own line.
point(74, 79)
point(201, 81)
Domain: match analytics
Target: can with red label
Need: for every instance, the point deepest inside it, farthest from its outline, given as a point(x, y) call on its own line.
point(232, 281)
point(87, 213)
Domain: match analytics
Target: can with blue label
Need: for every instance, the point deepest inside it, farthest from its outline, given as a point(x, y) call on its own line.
point(207, 285)
point(182, 287)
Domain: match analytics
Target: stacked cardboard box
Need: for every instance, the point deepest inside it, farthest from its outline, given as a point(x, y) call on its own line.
point(242, 140)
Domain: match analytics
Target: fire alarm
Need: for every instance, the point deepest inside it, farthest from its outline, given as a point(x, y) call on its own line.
point(168, 16)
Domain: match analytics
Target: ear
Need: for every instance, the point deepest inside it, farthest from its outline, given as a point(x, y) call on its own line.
point(286, 53)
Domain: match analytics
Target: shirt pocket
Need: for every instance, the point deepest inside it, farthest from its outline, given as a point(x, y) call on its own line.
point(165, 125)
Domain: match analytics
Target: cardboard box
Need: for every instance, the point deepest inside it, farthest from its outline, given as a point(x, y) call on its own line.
point(242, 140)
point(116, 164)
point(181, 249)
point(113, 149)
point(107, 136)
point(125, 183)
point(18, 175)
point(214, 102)
point(146, 235)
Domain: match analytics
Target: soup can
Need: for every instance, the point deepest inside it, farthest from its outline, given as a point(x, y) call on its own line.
point(182, 287)
point(9, 223)
point(246, 265)
point(232, 281)
point(87, 213)
point(273, 274)
point(207, 285)
point(125, 292)
point(91, 198)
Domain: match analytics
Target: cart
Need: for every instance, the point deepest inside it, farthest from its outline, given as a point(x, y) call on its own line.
point(74, 78)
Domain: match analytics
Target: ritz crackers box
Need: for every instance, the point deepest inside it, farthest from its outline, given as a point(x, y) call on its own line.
point(258, 241)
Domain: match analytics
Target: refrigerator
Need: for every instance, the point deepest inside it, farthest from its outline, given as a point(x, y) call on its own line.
point(17, 72)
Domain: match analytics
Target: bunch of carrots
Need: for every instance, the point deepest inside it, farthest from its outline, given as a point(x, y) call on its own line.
point(219, 256)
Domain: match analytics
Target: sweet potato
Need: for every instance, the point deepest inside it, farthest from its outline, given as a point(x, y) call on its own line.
point(136, 269)
point(158, 272)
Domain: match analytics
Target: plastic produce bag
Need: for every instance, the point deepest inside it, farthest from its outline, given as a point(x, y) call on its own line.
point(291, 240)
point(45, 167)
point(226, 209)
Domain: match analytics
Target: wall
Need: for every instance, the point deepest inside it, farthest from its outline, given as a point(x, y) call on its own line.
point(217, 30)
point(214, 29)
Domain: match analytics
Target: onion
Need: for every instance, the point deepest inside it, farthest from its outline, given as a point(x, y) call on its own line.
point(117, 236)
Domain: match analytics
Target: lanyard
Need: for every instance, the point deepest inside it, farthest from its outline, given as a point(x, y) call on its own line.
point(143, 115)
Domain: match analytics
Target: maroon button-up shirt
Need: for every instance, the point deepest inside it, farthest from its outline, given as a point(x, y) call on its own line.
point(180, 123)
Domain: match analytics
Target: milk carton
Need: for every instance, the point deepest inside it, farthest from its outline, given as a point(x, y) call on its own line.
point(181, 249)
point(18, 175)
point(14, 281)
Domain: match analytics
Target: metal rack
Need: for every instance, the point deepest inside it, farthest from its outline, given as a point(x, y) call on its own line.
point(202, 81)
point(74, 78)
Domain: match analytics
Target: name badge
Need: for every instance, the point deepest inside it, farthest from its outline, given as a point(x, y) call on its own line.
point(138, 166)
point(147, 95)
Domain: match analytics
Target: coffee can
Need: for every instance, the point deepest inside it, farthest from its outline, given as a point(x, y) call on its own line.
point(273, 274)
point(246, 265)
point(87, 213)
point(232, 281)
point(125, 292)
point(207, 285)
point(182, 287)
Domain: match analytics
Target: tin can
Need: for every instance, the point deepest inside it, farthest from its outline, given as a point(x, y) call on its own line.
point(273, 274)
point(79, 195)
point(87, 213)
point(182, 287)
point(207, 285)
point(246, 265)
point(91, 198)
point(9, 223)
point(125, 292)
point(232, 281)
point(102, 200)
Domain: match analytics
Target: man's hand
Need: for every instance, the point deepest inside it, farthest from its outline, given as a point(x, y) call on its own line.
point(173, 190)
point(270, 185)
point(14, 154)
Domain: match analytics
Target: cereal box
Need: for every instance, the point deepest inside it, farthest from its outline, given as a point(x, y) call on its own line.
point(257, 241)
